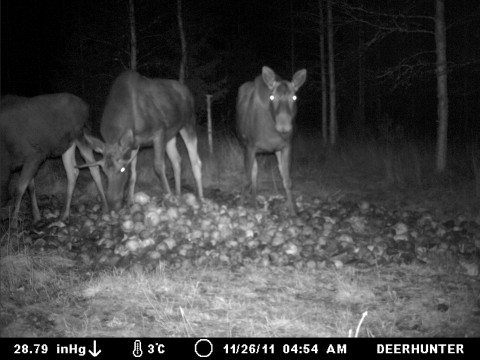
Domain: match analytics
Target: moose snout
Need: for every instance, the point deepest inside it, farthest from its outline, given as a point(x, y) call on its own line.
point(115, 205)
point(283, 123)
point(115, 202)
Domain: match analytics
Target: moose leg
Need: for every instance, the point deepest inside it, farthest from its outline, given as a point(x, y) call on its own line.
point(159, 160)
point(133, 177)
point(5, 175)
point(283, 157)
point(33, 197)
point(4, 182)
point(69, 163)
point(190, 139)
point(247, 184)
point(87, 155)
point(254, 179)
point(251, 170)
point(28, 172)
point(175, 159)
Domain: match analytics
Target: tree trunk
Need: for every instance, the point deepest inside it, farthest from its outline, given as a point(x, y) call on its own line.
point(322, 72)
point(133, 36)
point(209, 124)
point(442, 94)
point(82, 62)
point(331, 72)
point(466, 83)
point(361, 79)
point(292, 40)
point(183, 62)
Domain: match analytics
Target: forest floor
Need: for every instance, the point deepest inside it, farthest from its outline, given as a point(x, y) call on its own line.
point(46, 292)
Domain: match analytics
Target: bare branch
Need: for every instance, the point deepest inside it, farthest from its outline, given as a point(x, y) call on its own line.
point(409, 68)
point(388, 22)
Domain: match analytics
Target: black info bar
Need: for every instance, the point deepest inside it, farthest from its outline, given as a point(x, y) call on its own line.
point(234, 348)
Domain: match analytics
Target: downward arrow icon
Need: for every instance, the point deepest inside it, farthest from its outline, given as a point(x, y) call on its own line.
point(94, 353)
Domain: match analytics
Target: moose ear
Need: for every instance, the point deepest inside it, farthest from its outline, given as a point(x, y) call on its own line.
point(269, 77)
point(126, 141)
point(299, 78)
point(96, 144)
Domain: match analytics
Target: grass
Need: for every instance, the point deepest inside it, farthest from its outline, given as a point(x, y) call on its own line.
point(476, 171)
point(355, 164)
point(250, 302)
point(225, 164)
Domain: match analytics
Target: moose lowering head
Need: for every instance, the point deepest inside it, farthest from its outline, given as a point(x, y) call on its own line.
point(34, 129)
point(115, 164)
point(266, 109)
point(141, 112)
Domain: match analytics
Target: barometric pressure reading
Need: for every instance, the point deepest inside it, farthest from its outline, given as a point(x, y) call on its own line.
point(30, 349)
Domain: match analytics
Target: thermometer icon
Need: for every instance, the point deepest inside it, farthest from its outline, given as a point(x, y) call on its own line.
point(137, 348)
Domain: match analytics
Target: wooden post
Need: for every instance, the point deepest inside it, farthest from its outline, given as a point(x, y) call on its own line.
point(209, 124)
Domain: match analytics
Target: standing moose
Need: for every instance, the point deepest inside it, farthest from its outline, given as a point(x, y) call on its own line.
point(141, 111)
point(266, 109)
point(34, 129)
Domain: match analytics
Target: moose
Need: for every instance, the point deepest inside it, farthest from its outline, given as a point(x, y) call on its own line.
point(266, 109)
point(140, 112)
point(37, 128)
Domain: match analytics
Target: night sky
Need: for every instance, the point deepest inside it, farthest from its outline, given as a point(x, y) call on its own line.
point(80, 46)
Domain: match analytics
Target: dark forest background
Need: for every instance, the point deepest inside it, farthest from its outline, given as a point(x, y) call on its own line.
point(81, 46)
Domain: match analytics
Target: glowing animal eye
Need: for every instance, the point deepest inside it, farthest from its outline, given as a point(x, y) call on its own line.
point(294, 97)
point(272, 97)
point(122, 169)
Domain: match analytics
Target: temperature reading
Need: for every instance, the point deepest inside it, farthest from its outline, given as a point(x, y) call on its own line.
point(156, 348)
point(137, 348)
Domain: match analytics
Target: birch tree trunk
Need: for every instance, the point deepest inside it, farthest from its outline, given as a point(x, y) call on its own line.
point(322, 72)
point(183, 62)
point(442, 94)
point(133, 36)
point(331, 72)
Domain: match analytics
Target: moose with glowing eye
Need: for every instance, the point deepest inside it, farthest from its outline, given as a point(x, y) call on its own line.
point(266, 109)
point(144, 112)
